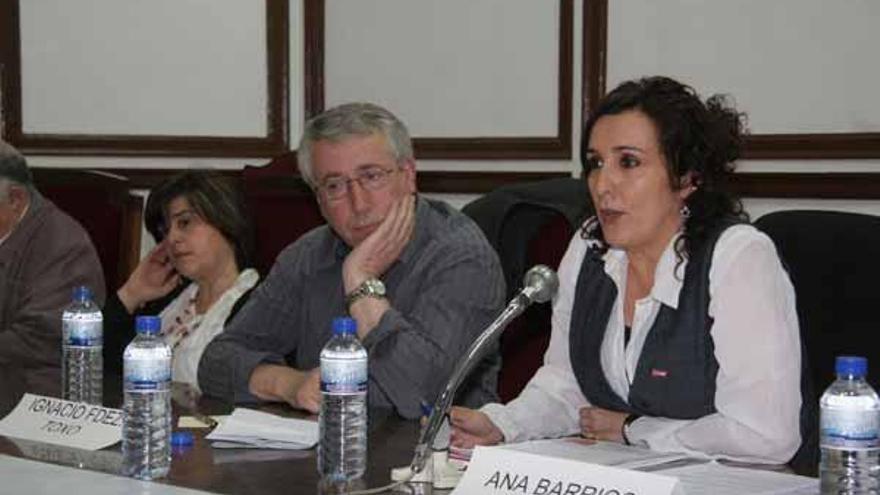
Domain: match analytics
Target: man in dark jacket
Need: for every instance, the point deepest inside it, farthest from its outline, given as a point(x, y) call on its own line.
point(44, 254)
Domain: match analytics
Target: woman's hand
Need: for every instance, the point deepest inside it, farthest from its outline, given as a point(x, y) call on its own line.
point(602, 424)
point(471, 427)
point(153, 278)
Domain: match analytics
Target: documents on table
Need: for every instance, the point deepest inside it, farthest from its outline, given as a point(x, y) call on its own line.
point(712, 478)
point(247, 428)
point(200, 421)
point(602, 453)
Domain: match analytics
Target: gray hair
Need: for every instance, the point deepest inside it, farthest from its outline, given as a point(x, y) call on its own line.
point(352, 120)
point(13, 170)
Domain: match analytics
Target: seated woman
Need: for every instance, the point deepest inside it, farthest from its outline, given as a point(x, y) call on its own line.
point(674, 327)
point(195, 277)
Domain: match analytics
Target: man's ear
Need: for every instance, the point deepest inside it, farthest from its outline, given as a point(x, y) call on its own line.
point(409, 170)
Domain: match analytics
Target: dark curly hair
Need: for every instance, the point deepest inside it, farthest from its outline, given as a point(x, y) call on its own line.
point(702, 140)
point(215, 199)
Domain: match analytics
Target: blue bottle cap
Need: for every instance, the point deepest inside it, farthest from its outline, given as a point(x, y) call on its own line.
point(148, 324)
point(181, 439)
point(344, 326)
point(851, 366)
point(81, 293)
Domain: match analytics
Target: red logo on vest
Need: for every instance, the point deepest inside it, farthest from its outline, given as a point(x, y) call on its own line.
point(655, 373)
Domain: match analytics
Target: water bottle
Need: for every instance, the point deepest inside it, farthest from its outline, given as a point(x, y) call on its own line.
point(342, 451)
point(849, 427)
point(146, 430)
point(82, 362)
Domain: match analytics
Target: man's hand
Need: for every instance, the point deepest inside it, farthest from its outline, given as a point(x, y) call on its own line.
point(471, 427)
point(153, 278)
point(300, 389)
point(601, 424)
point(372, 257)
point(308, 396)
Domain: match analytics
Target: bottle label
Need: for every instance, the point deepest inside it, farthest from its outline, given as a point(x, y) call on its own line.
point(842, 429)
point(147, 374)
point(343, 376)
point(83, 333)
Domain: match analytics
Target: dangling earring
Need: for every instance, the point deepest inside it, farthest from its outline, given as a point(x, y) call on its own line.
point(685, 212)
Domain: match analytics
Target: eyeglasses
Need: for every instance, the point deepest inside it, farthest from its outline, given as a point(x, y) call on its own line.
point(371, 178)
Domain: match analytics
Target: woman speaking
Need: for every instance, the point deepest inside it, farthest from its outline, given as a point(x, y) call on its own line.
point(675, 325)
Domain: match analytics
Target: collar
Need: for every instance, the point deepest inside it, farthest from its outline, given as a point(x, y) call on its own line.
point(668, 278)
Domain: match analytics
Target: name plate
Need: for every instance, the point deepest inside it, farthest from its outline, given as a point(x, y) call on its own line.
point(504, 471)
point(62, 422)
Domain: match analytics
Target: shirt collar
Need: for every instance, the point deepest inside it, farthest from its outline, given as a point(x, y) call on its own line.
point(668, 278)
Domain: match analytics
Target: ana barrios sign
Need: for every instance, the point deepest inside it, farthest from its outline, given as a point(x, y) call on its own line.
point(501, 471)
point(62, 422)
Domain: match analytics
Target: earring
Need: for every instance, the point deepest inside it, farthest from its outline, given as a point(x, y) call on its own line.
point(685, 212)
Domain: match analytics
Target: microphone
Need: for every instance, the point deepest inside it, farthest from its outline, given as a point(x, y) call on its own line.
point(539, 285)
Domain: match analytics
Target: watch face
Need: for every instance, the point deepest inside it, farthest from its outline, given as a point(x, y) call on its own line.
point(375, 287)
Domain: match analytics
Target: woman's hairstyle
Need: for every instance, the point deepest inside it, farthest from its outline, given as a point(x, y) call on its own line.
point(351, 120)
point(700, 141)
point(215, 199)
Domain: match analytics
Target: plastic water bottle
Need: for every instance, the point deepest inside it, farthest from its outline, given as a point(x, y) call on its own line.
point(342, 452)
point(849, 428)
point(146, 431)
point(82, 368)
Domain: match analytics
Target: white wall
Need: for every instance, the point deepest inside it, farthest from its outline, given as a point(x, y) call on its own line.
point(459, 68)
point(794, 66)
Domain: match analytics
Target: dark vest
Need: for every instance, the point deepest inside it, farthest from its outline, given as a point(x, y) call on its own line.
point(675, 375)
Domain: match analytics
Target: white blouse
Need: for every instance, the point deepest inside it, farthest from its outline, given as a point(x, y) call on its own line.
point(757, 346)
point(189, 333)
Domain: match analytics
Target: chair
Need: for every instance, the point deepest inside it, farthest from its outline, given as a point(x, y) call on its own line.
point(833, 259)
point(528, 224)
point(104, 206)
point(282, 206)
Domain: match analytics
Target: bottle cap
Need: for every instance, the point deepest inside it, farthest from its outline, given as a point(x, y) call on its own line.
point(344, 326)
point(81, 293)
point(148, 324)
point(851, 366)
point(181, 439)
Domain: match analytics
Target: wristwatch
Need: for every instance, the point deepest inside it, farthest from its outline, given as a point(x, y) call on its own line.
point(371, 287)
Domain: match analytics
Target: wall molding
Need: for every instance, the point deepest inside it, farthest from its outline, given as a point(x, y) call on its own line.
point(864, 186)
point(277, 111)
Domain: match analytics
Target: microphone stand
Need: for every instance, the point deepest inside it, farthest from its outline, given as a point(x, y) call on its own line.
point(472, 357)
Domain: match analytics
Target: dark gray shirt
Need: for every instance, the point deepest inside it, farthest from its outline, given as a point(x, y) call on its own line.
point(444, 290)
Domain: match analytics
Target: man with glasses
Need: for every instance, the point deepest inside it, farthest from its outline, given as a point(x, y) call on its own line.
point(417, 275)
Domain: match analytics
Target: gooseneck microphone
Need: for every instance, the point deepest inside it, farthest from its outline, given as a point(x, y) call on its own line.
point(539, 285)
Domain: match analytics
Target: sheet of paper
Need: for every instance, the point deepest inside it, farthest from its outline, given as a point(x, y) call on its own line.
point(250, 428)
point(717, 479)
point(193, 422)
point(602, 453)
point(61, 422)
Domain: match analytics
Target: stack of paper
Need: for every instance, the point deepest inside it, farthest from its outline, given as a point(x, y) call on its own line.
point(247, 428)
point(717, 479)
point(595, 452)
